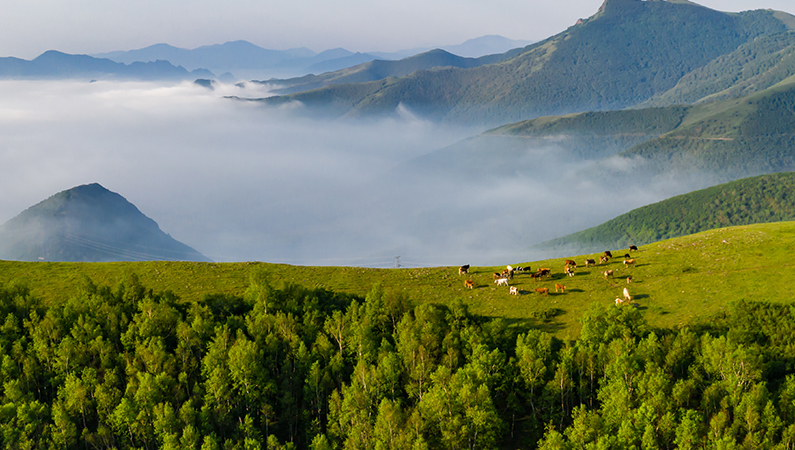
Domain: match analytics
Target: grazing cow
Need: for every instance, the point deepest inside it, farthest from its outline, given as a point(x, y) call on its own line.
point(619, 301)
point(501, 281)
point(569, 271)
point(544, 291)
point(626, 255)
point(608, 254)
point(510, 269)
point(589, 262)
point(535, 275)
point(629, 279)
point(514, 290)
point(628, 262)
point(570, 262)
point(626, 295)
point(496, 275)
point(507, 274)
point(463, 269)
point(469, 284)
point(560, 286)
point(633, 247)
point(602, 259)
point(608, 273)
point(544, 271)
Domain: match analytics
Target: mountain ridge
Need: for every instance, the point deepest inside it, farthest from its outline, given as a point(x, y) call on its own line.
point(54, 64)
point(651, 46)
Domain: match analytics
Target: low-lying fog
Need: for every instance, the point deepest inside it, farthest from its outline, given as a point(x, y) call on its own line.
point(239, 182)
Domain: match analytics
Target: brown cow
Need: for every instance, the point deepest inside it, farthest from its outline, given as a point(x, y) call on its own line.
point(544, 291)
point(608, 273)
point(570, 262)
point(569, 271)
point(463, 269)
point(469, 284)
point(629, 279)
point(627, 262)
point(560, 286)
point(544, 271)
point(633, 247)
point(589, 262)
point(608, 254)
point(602, 259)
point(496, 275)
point(535, 276)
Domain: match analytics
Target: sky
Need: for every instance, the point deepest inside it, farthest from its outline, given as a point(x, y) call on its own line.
point(29, 28)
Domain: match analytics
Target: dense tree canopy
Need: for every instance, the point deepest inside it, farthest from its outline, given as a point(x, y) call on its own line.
point(291, 367)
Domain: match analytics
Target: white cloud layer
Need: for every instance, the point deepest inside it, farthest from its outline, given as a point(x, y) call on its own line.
point(239, 182)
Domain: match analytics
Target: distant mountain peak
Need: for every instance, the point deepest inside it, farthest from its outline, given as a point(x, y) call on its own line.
point(88, 223)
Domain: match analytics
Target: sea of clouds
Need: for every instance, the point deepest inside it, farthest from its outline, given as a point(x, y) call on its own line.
point(241, 182)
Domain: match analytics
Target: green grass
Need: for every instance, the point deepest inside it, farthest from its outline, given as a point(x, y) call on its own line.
point(676, 282)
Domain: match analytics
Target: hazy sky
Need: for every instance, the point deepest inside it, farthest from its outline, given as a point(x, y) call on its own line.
point(28, 28)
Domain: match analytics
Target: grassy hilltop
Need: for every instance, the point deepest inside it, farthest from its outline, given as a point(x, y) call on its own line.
point(676, 282)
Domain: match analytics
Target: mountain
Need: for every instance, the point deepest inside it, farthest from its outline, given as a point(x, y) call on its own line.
point(762, 199)
point(253, 62)
point(628, 52)
point(53, 64)
point(88, 223)
point(379, 70)
point(708, 143)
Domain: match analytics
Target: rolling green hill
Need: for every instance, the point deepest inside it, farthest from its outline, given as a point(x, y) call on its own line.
point(628, 52)
point(88, 223)
point(762, 199)
point(380, 69)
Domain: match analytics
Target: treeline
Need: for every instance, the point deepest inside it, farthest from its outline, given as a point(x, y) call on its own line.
point(762, 199)
point(291, 367)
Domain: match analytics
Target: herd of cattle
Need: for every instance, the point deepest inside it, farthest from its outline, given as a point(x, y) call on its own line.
point(569, 266)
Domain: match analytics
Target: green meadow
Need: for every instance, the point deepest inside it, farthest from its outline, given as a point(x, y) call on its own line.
point(675, 282)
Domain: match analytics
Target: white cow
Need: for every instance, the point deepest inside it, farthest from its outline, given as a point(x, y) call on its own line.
point(501, 281)
point(514, 290)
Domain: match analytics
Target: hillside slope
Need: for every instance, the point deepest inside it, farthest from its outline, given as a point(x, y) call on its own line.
point(88, 223)
point(753, 67)
point(630, 51)
point(762, 199)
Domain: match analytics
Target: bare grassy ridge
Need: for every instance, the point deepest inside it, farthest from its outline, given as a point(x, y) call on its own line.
point(676, 282)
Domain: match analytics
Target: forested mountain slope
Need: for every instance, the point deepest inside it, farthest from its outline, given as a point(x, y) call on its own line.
point(753, 67)
point(762, 199)
point(628, 52)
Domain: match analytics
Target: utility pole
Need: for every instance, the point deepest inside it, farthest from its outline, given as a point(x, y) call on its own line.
point(397, 262)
